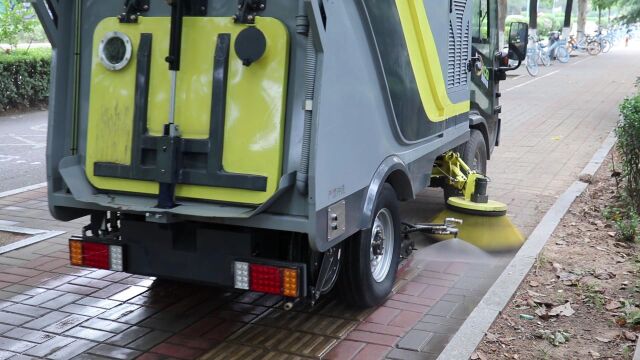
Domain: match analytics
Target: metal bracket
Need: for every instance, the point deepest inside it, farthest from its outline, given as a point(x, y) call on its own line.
point(449, 227)
point(196, 7)
point(328, 272)
point(336, 220)
point(102, 225)
point(248, 10)
point(475, 65)
point(132, 10)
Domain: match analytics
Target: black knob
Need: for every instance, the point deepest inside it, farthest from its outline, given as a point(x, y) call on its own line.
point(250, 45)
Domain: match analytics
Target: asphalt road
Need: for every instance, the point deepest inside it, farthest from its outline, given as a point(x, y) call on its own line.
point(23, 140)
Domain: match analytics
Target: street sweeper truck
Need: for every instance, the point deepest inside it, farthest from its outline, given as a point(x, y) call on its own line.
point(265, 145)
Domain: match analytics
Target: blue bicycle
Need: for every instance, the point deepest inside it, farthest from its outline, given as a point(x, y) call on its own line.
point(557, 49)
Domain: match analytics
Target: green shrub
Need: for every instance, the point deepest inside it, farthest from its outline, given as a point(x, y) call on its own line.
point(24, 78)
point(514, 18)
point(548, 23)
point(627, 228)
point(16, 22)
point(628, 132)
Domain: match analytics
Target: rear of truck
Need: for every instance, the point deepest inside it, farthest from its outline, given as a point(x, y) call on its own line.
point(241, 142)
point(171, 127)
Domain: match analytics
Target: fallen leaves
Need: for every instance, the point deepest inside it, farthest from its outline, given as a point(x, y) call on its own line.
point(629, 335)
point(560, 310)
point(612, 305)
point(603, 339)
point(554, 338)
point(582, 295)
point(604, 275)
point(609, 336)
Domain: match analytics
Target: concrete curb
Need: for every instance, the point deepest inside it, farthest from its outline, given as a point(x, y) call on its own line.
point(470, 334)
point(22, 189)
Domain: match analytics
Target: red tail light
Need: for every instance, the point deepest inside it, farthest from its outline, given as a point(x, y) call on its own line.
point(95, 255)
point(266, 279)
point(280, 279)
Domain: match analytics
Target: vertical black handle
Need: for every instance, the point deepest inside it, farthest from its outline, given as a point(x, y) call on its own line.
point(175, 44)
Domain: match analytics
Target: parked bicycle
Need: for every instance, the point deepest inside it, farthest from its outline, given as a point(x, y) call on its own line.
point(557, 49)
point(534, 56)
point(586, 44)
point(605, 41)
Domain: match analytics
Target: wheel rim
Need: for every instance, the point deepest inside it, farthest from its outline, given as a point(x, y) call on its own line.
point(478, 164)
point(382, 241)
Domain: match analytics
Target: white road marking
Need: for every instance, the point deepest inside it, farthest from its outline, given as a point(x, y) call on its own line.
point(22, 189)
point(36, 163)
point(21, 145)
point(20, 162)
point(41, 127)
point(36, 145)
point(583, 60)
point(530, 81)
point(5, 158)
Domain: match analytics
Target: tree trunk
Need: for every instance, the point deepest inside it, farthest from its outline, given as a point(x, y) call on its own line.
point(599, 18)
point(502, 17)
point(567, 13)
point(533, 14)
point(583, 6)
point(566, 29)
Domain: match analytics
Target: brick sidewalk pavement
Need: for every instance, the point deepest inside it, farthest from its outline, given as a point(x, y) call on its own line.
point(52, 310)
point(49, 309)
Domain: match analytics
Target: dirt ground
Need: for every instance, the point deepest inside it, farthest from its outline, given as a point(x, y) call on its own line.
point(579, 299)
point(9, 237)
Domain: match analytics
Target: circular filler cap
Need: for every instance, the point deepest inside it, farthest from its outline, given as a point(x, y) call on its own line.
point(250, 45)
point(115, 50)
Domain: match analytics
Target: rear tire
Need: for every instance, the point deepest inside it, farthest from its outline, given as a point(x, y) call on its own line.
point(474, 154)
point(545, 58)
point(594, 48)
point(562, 55)
point(532, 66)
point(371, 256)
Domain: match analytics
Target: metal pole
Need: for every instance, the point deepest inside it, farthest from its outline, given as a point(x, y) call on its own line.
point(172, 102)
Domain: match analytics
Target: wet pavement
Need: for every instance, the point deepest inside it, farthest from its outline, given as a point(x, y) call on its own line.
point(48, 309)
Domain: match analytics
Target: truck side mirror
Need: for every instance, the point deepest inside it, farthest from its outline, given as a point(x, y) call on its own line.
point(518, 39)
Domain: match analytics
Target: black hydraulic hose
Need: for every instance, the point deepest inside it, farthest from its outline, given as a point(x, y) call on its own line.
point(310, 85)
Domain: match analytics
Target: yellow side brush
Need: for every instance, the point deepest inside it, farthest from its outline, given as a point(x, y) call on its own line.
point(490, 233)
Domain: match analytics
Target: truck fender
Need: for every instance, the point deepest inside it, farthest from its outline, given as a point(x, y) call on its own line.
point(393, 171)
point(479, 123)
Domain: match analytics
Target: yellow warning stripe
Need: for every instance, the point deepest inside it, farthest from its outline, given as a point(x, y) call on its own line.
point(426, 63)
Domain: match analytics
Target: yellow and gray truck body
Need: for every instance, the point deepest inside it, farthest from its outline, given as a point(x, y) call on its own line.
point(220, 141)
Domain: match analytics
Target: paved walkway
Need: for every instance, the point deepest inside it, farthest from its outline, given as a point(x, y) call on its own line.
point(48, 309)
point(23, 140)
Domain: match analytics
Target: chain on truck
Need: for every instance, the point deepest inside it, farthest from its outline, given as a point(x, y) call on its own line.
point(265, 145)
